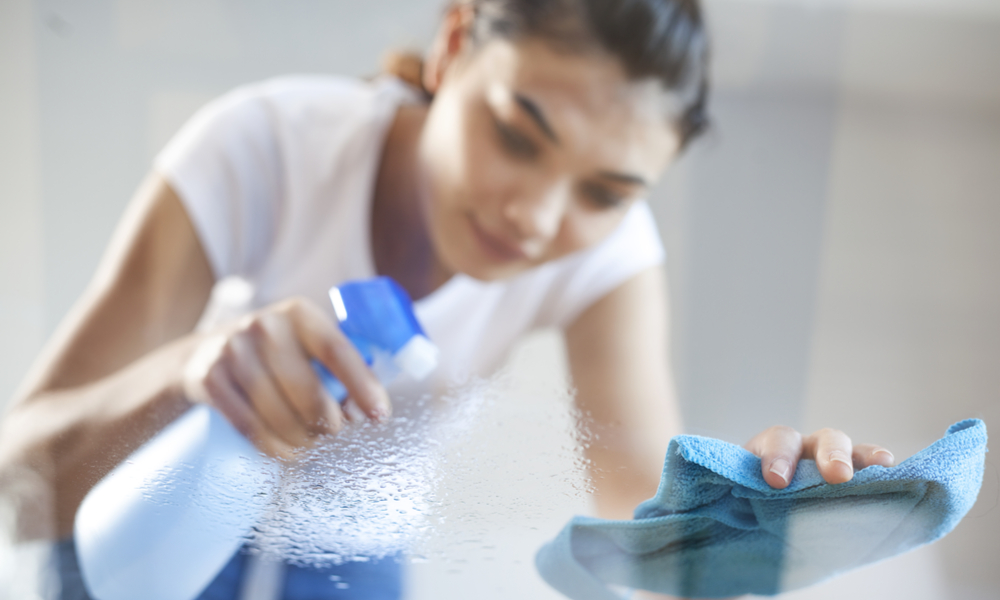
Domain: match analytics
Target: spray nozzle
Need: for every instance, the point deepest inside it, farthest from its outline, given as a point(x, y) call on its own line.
point(377, 316)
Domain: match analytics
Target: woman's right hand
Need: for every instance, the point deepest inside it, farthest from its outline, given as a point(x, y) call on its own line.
point(258, 374)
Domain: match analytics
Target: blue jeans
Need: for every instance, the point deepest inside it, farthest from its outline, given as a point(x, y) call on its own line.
point(373, 580)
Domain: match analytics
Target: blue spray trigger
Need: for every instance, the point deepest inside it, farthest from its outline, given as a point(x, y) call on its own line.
point(377, 311)
point(377, 316)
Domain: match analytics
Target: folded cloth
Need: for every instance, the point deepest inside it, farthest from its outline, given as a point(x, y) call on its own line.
point(716, 529)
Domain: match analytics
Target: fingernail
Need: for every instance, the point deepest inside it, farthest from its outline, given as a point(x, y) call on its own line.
point(352, 412)
point(382, 413)
point(840, 457)
point(283, 452)
point(780, 467)
point(892, 459)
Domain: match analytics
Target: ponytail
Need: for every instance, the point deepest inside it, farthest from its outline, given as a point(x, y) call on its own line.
point(406, 65)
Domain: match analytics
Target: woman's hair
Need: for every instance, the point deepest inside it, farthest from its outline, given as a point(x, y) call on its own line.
point(660, 39)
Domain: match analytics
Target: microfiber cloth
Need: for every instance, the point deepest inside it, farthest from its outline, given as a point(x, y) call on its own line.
point(716, 529)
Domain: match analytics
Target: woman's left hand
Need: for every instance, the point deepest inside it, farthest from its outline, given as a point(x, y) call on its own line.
point(780, 448)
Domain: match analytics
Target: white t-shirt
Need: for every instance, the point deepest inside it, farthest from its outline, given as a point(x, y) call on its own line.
point(278, 178)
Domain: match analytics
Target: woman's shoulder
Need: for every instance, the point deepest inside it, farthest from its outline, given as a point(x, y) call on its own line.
point(292, 96)
point(279, 109)
point(564, 288)
point(313, 117)
point(303, 86)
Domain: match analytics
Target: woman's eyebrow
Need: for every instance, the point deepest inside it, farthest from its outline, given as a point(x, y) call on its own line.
point(624, 178)
point(537, 116)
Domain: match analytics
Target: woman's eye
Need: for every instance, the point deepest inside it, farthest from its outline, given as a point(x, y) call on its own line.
point(514, 142)
point(602, 197)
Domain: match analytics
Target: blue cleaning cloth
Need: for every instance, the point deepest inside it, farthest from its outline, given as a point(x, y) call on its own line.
point(716, 529)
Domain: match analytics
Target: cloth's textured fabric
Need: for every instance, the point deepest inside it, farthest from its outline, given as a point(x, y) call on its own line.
point(716, 529)
point(277, 178)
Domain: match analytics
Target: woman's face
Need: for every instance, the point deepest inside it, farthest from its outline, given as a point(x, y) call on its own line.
point(530, 154)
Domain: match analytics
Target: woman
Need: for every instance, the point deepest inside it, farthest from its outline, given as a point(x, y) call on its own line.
point(503, 196)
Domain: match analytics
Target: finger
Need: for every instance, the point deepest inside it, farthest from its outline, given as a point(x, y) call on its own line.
point(225, 395)
point(351, 411)
point(255, 380)
point(779, 449)
point(831, 449)
point(289, 366)
point(323, 340)
point(866, 455)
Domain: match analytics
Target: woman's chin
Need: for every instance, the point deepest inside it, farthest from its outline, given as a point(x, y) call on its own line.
point(486, 271)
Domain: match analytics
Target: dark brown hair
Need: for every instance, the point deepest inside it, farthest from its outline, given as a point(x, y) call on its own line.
point(660, 39)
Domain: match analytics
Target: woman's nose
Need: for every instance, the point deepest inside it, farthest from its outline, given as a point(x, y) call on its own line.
point(538, 215)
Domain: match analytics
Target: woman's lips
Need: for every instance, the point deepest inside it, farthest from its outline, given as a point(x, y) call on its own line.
point(494, 245)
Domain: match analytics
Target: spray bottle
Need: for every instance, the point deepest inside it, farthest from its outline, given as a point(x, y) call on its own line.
point(164, 522)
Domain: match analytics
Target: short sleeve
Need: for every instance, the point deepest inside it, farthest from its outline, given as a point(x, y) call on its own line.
point(580, 280)
point(225, 164)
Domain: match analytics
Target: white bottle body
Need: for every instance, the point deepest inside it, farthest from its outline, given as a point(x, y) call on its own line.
point(163, 523)
point(168, 519)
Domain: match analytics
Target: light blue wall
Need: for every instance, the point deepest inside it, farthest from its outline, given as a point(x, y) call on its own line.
point(116, 77)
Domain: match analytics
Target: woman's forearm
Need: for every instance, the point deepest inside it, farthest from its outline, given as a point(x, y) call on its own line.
point(619, 361)
point(622, 479)
point(70, 438)
point(111, 375)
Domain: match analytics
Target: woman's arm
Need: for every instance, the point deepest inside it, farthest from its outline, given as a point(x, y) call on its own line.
point(619, 361)
point(125, 363)
point(88, 402)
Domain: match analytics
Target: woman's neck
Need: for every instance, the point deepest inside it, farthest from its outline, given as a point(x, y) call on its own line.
point(401, 243)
